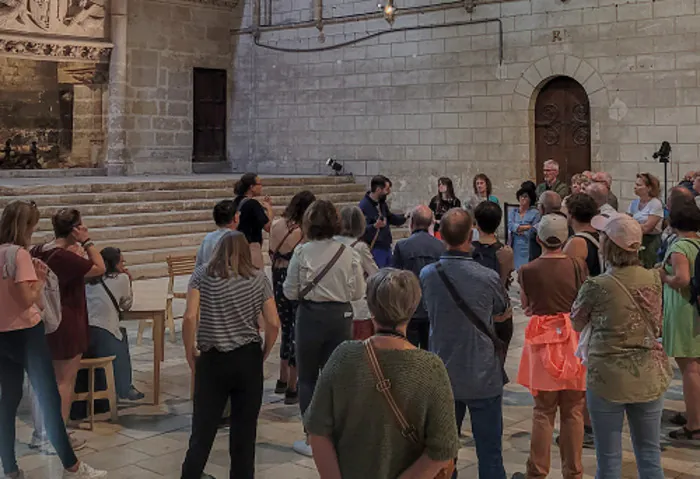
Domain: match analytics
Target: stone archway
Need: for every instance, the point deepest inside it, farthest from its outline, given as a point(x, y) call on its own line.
point(539, 74)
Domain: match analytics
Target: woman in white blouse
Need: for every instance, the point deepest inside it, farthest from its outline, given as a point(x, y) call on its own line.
point(352, 228)
point(325, 276)
point(107, 297)
point(649, 213)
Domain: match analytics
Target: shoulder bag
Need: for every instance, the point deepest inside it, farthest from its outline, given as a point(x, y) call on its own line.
point(384, 386)
point(120, 313)
point(52, 313)
point(307, 289)
point(498, 345)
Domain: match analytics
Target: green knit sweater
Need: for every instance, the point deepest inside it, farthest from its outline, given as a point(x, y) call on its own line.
point(347, 408)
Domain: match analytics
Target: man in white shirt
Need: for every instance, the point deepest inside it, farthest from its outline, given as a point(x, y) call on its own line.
point(599, 192)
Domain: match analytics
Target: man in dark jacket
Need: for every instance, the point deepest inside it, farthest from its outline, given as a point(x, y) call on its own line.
point(412, 254)
point(379, 220)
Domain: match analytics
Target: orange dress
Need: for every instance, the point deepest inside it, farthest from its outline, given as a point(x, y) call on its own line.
point(548, 362)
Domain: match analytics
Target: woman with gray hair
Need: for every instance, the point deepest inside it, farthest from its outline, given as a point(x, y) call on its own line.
point(352, 228)
point(350, 430)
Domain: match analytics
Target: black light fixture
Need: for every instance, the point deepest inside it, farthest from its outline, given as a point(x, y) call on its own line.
point(664, 156)
point(335, 166)
point(389, 11)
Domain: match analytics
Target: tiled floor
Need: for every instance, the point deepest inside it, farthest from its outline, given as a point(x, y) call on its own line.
point(149, 442)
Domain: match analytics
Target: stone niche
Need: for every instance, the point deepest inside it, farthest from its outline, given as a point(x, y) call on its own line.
point(51, 114)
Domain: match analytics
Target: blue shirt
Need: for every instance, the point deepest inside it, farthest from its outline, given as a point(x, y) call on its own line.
point(469, 355)
point(206, 249)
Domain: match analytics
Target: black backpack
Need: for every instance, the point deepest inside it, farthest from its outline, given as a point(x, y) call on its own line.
point(485, 255)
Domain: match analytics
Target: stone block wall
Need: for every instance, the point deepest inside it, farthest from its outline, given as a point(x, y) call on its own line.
point(416, 105)
point(166, 40)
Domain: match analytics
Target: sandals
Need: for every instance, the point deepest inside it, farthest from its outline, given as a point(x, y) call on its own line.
point(678, 419)
point(685, 434)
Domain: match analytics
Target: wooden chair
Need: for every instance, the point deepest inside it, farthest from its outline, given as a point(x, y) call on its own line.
point(92, 364)
point(177, 266)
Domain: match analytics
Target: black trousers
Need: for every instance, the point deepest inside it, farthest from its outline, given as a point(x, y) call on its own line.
point(320, 328)
point(418, 332)
point(26, 349)
point(237, 375)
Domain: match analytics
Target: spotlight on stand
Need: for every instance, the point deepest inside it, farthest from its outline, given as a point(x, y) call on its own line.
point(335, 166)
point(664, 156)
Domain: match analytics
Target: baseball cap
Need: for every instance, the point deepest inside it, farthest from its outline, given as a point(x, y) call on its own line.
point(621, 229)
point(553, 230)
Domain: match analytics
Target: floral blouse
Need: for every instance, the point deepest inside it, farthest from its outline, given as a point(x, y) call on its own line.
point(626, 363)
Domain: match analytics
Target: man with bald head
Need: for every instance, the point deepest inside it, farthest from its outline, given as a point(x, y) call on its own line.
point(413, 254)
point(549, 202)
point(600, 194)
point(464, 337)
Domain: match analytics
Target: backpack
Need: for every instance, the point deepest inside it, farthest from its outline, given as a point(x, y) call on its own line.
point(485, 255)
point(50, 295)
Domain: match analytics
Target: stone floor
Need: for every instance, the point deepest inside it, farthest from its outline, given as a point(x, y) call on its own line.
point(149, 442)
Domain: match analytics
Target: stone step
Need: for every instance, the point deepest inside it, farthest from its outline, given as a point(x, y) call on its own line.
point(279, 194)
point(107, 185)
point(121, 233)
point(139, 219)
point(279, 204)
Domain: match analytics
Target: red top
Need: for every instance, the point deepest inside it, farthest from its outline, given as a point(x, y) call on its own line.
point(71, 338)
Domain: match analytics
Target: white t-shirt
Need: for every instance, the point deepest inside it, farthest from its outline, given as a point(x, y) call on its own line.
point(654, 207)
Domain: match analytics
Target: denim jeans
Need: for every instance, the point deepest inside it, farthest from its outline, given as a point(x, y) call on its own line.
point(645, 428)
point(26, 349)
point(487, 428)
point(103, 344)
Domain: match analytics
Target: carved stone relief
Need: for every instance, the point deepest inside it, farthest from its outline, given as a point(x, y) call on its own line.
point(54, 50)
point(82, 18)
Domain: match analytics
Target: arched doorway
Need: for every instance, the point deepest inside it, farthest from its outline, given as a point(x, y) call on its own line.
point(563, 127)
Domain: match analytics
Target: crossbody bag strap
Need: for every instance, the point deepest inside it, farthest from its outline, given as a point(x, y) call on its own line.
point(589, 237)
point(384, 386)
point(111, 296)
point(464, 307)
point(307, 289)
point(273, 254)
point(635, 302)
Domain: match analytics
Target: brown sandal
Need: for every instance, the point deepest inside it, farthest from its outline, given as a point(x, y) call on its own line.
point(685, 434)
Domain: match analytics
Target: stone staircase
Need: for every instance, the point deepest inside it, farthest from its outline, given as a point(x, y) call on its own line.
point(152, 219)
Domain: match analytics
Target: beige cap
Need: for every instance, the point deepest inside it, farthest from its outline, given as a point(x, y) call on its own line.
point(622, 229)
point(553, 230)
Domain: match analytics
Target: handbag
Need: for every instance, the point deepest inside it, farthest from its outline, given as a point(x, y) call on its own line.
point(120, 313)
point(384, 386)
point(307, 289)
point(498, 345)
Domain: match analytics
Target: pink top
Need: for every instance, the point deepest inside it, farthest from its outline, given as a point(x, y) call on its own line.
point(12, 315)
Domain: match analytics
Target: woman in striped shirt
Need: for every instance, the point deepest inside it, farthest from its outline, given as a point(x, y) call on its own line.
point(230, 295)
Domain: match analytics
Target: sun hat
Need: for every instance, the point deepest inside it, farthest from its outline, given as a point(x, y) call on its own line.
point(622, 229)
point(553, 230)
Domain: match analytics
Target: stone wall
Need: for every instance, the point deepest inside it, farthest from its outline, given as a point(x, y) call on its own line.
point(166, 41)
point(417, 105)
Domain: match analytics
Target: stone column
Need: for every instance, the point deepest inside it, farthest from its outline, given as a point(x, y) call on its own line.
point(118, 159)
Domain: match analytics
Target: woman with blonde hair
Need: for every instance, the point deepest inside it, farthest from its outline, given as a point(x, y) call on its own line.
point(352, 430)
point(23, 346)
point(648, 210)
point(352, 228)
point(229, 294)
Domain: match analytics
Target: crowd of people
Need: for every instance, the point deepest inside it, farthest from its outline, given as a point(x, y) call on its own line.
point(610, 298)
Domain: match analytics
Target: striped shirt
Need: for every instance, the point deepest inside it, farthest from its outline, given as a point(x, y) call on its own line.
point(229, 309)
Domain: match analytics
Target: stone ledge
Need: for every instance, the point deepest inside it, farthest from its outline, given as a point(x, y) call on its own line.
point(53, 173)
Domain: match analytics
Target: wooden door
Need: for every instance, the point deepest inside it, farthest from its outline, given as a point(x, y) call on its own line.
point(563, 128)
point(209, 115)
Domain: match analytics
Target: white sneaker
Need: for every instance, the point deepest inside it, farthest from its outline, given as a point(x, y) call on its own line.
point(18, 475)
point(38, 442)
point(302, 447)
point(84, 472)
point(76, 443)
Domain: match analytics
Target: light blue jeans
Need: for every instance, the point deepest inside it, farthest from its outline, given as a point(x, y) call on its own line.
point(645, 428)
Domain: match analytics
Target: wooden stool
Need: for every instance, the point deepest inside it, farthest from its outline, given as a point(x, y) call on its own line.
point(91, 395)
